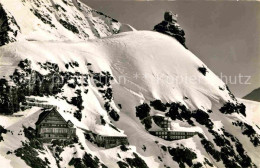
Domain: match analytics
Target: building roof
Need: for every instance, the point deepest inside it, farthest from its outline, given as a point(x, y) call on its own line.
point(45, 113)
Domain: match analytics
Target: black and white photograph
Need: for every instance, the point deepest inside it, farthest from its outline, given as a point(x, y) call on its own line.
point(129, 84)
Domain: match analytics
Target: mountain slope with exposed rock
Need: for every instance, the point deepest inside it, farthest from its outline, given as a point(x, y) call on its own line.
point(120, 85)
point(225, 136)
point(52, 20)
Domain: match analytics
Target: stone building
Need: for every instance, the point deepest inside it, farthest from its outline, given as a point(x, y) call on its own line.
point(51, 125)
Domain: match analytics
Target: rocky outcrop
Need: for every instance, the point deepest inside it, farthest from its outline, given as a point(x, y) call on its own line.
point(170, 27)
point(9, 29)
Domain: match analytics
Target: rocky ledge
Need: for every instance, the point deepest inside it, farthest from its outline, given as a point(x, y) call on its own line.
point(170, 27)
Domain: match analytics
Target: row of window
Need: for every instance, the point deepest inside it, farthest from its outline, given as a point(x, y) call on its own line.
point(177, 137)
point(55, 125)
point(160, 133)
point(191, 133)
point(178, 133)
point(55, 130)
point(113, 137)
point(53, 135)
point(172, 137)
point(164, 137)
point(173, 133)
point(39, 105)
point(53, 119)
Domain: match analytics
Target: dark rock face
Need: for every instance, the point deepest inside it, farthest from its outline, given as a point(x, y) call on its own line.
point(8, 27)
point(170, 17)
point(2, 131)
point(170, 27)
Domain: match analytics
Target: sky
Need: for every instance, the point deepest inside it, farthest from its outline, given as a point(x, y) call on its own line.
point(224, 35)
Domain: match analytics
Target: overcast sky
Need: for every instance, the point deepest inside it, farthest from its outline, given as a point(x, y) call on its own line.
point(224, 35)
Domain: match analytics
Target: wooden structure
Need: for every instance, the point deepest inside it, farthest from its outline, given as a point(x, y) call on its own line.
point(51, 125)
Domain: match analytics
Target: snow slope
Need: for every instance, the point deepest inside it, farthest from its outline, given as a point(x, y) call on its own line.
point(146, 66)
point(159, 68)
point(253, 109)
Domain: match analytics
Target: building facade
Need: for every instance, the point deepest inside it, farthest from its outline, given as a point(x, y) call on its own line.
point(166, 131)
point(111, 141)
point(165, 124)
point(51, 126)
point(173, 135)
point(106, 141)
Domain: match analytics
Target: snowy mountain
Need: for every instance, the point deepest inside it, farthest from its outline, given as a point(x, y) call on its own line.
point(118, 86)
point(254, 95)
point(51, 20)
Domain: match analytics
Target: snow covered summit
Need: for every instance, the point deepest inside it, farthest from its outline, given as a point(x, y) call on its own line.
point(55, 20)
point(120, 86)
